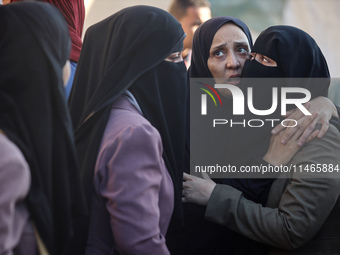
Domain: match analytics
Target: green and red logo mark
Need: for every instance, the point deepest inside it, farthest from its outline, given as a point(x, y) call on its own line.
point(204, 97)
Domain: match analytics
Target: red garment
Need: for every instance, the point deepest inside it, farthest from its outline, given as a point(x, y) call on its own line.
point(74, 13)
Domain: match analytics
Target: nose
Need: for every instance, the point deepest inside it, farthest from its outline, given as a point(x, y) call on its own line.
point(232, 61)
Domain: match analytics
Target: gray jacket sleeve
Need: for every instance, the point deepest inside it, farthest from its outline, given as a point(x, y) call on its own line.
point(301, 209)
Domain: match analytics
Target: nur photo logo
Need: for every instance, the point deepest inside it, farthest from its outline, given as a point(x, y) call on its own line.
point(204, 97)
point(238, 99)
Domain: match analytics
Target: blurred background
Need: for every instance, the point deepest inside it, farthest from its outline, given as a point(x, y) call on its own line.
point(319, 18)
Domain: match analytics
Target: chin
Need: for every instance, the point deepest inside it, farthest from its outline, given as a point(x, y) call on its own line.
point(225, 93)
point(221, 80)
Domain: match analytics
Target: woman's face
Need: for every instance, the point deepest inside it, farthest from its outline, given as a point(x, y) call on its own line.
point(174, 57)
point(262, 59)
point(228, 52)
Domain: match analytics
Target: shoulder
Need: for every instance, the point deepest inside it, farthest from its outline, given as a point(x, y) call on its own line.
point(321, 151)
point(127, 124)
point(312, 160)
point(331, 138)
point(317, 167)
point(14, 170)
point(129, 133)
point(10, 154)
point(130, 126)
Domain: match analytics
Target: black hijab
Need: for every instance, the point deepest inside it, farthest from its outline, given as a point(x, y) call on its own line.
point(296, 53)
point(34, 47)
point(297, 56)
point(126, 51)
point(199, 236)
point(202, 41)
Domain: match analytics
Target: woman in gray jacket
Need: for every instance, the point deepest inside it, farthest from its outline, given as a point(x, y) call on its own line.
point(301, 212)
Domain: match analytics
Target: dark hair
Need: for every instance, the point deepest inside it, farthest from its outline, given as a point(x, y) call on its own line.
point(178, 8)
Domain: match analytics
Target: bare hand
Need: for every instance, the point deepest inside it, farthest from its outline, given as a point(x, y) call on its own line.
point(323, 107)
point(197, 190)
point(279, 153)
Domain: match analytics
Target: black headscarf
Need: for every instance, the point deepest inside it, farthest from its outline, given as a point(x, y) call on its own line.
point(202, 41)
point(296, 53)
point(199, 236)
point(34, 47)
point(297, 56)
point(126, 51)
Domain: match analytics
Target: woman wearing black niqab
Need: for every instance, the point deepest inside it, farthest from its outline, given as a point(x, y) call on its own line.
point(124, 96)
point(34, 48)
point(301, 215)
point(279, 43)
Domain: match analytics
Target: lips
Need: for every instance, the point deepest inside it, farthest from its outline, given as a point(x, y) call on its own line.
point(234, 79)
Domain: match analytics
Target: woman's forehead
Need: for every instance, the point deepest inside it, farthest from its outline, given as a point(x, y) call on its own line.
point(230, 34)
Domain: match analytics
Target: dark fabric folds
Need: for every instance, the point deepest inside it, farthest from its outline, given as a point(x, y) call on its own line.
point(34, 47)
point(199, 236)
point(126, 52)
point(74, 13)
point(296, 53)
point(296, 68)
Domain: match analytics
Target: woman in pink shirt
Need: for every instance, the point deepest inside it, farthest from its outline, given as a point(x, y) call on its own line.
point(128, 111)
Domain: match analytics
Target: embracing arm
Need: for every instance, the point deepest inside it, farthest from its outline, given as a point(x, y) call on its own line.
point(132, 190)
point(298, 216)
point(322, 108)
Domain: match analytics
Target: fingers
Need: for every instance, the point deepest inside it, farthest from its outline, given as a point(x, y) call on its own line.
point(205, 176)
point(307, 105)
point(301, 131)
point(324, 128)
point(307, 135)
point(277, 129)
point(290, 112)
point(290, 131)
point(327, 109)
point(186, 177)
point(312, 136)
point(294, 114)
point(307, 128)
point(185, 186)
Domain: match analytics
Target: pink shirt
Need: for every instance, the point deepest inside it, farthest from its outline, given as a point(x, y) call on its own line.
point(133, 186)
point(16, 233)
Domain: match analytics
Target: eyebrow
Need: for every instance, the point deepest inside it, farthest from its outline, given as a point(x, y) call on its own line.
point(219, 46)
point(239, 43)
point(242, 43)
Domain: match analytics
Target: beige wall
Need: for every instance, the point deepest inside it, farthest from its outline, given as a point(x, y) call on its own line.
point(97, 10)
point(321, 20)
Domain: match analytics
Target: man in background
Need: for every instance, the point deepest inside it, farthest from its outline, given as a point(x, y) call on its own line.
point(191, 14)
